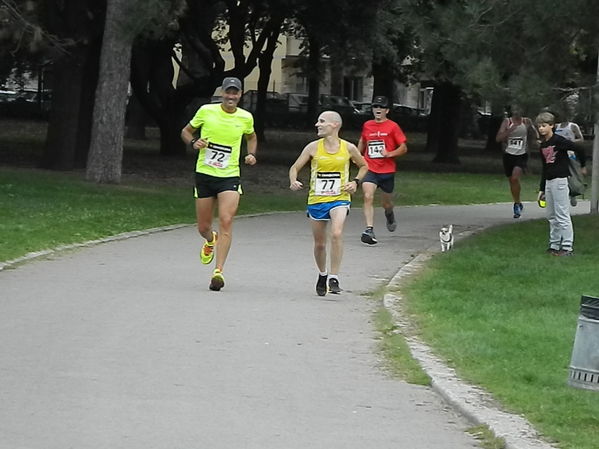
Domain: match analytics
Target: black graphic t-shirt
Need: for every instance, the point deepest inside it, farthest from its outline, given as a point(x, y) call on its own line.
point(554, 156)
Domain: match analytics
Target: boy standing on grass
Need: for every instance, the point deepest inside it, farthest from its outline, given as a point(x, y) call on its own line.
point(554, 184)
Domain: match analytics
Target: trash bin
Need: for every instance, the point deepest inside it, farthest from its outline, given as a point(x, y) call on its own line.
point(584, 366)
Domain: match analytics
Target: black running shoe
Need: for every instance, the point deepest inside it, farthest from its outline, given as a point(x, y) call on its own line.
point(368, 237)
point(518, 209)
point(334, 286)
point(564, 253)
point(218, 280)
point(391, 223)
point(321, 285)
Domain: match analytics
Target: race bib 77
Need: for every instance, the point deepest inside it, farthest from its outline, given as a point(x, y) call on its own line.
point(327, 184)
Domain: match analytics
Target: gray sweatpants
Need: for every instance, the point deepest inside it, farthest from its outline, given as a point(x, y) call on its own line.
point(561, 232)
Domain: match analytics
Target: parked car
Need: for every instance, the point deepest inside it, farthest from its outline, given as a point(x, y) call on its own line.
point(25, 103)
point(275, 102)
point(363, 107)
point(8, 96)
point(342, 105)
point(297, 102)
point(408, 117)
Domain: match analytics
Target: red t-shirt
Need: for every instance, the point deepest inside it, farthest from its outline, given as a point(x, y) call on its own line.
point(376, 136)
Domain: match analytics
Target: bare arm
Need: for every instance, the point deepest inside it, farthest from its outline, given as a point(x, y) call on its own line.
point(578, 137)
point(361, 146)
point(534, 132)
point(187, 135)
point(302, 160)
point(399, 151)
point(503, 132)
point(252, 147)
point(357, 159)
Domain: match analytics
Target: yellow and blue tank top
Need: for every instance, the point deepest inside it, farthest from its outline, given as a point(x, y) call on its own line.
point(328, 173)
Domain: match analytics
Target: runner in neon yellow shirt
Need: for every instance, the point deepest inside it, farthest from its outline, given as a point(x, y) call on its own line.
point(217, 182)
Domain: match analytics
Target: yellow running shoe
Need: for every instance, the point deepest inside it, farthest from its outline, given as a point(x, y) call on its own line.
point(207, 253)
point(218, 281)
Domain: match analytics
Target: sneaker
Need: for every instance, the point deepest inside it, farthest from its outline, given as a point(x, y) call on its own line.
point(564, 253)
point(334, 286)
point(391, 223)
point(551, 251)
point(207, 253)
point(218, 280)
point(321, 285)
point(573, 201)
point(368, 237)
point(518, 209)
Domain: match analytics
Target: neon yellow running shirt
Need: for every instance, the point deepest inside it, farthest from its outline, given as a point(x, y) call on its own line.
point(223, 131)
point(329, 172)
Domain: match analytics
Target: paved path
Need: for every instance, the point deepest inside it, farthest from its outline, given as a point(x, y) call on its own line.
point(122, 345)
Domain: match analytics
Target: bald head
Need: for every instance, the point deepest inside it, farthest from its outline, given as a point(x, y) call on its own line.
point(333, 116)
point(328, 124)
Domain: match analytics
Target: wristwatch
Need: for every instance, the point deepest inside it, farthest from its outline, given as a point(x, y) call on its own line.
point(358, 181)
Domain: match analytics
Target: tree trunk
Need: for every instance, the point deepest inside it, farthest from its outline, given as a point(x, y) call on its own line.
point(384, 78)
point(313, 80)
point(444, 123)
point(136, 119)
point(265, 67)
point(90, 83)
point(106, 151)
point(74, 78)
point(151, 80)
point(337, 74)
point(494, 123)
point(61, 139)
point(170, 125)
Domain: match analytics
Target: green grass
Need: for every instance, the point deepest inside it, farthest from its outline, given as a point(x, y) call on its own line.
point(504, 313)
point(43, 209)
point(415, 188)
point(486, 437)
point(398, 359)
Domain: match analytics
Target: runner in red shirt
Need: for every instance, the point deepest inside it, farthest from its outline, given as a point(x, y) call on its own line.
point(381, 141)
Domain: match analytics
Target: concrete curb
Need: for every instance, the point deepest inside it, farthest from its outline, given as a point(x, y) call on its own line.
point(472, 402)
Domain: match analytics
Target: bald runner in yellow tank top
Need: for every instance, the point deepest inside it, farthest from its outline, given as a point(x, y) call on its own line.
point(329, 196)
point(328, 173)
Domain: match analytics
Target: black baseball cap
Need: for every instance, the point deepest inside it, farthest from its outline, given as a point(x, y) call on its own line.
point(380, 100)
point(231, 82)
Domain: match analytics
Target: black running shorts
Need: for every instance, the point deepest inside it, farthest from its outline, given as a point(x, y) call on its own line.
point(386, 181)
point(210, 186)
point(510, 161)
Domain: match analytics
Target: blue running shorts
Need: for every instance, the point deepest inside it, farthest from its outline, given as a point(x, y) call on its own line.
point(321, 211)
